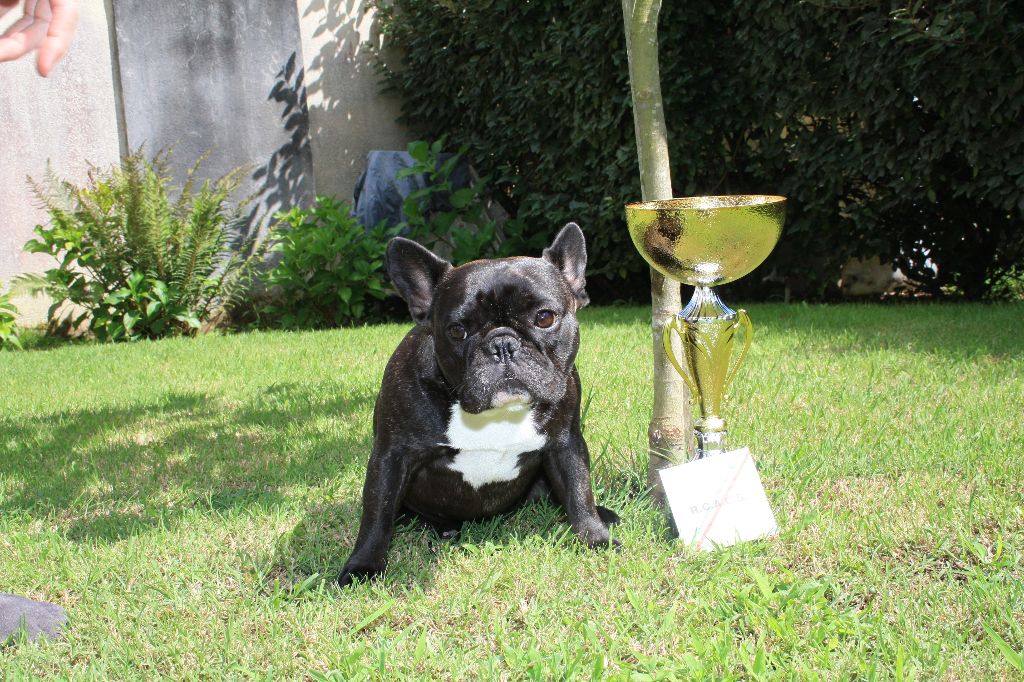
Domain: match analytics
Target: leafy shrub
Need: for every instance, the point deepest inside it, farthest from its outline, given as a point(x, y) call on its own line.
point(1011, 286)
point(462, 228)
point(330, 270)
point(891, 126)
point(8, 331)
point(140, 264)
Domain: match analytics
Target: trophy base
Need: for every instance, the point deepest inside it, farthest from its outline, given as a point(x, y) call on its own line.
point(709, 444)
point(710, 433)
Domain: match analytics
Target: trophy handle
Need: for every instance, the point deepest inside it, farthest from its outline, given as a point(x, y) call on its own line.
point(673, 326)
point(742, 322)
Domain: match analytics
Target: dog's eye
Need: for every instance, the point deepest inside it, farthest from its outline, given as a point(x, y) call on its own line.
point(544, 319)
point(457, 332)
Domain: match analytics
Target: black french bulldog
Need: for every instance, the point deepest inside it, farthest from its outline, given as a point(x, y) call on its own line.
point(479, 409)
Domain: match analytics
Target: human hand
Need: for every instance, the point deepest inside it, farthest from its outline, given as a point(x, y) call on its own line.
point(46, 24)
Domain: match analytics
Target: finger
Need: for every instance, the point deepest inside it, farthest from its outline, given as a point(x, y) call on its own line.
point(58, 36)
point(18, 43)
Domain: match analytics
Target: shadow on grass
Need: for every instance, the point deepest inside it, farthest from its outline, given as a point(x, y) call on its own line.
point(955, 330)
point(110, 472)
point(950, 329)
point(320, 543)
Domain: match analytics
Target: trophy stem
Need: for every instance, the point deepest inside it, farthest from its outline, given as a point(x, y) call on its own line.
point(708, 321)
point(706, 305)
point(706, 327)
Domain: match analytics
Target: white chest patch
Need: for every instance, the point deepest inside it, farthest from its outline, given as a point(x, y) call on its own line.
point(490, 442)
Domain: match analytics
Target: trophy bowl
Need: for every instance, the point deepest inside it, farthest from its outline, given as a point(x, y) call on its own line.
point(706, 241)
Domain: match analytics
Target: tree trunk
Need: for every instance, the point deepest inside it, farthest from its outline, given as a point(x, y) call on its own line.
point(670, 432)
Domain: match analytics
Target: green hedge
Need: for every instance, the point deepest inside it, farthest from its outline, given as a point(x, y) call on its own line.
point(895, 129)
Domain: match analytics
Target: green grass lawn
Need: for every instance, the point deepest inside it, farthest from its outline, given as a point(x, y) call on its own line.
point(190, 501)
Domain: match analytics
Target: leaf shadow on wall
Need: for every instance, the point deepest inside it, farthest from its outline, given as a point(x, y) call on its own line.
point(349, 113)
point(285, 179)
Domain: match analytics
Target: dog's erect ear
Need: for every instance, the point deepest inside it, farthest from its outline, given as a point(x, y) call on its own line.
point(415, 272)
point(568, 253)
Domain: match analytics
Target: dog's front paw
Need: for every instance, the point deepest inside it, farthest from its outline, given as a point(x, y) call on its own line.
point(603, 543)
point(353, 572)
point(607, 515)
point(596, 534)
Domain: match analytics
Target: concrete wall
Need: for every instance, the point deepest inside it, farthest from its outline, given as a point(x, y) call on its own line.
point(69, 119)
point(77, 116)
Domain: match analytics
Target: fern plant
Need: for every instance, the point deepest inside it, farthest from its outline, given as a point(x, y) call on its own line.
point(8, 330)
point(141, 264)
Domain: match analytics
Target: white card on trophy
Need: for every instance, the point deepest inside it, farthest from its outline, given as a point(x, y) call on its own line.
point(719, 500)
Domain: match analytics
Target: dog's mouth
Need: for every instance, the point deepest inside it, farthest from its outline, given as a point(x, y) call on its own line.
point(511, 399)
point(507, 395)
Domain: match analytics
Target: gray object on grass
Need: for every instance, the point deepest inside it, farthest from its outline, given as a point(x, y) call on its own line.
point(40, 618)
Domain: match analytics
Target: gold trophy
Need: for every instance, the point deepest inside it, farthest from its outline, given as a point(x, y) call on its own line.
point(704, 242)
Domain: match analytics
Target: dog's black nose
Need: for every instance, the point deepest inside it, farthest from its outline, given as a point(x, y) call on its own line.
point(503, 347)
